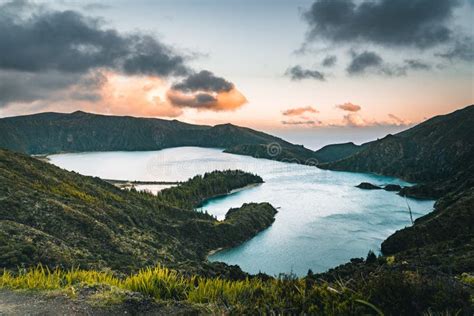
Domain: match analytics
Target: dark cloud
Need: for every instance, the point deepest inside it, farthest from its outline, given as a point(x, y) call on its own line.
point(298, 73)
point(26, 87)
point(199, 101)
point(212, 100)
point(329, 61)
point(95, 6)
point(409, 23)
point(50, 55)
point(85, 96)
point(205, 91)
point(203, 81)
point(416, 64)
point(363, 61)
point(463, 49)
point(204, 98)
point(370, 62)
point(36, 39)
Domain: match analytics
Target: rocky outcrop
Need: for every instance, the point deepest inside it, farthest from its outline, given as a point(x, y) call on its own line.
point(392, 187)
point(368, 186)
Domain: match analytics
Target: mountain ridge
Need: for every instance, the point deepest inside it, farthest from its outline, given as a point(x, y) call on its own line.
point(433, 150)
point(51, 132)
point(438, 154)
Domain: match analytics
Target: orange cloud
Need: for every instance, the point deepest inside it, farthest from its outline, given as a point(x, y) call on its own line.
point(397, 120)
point(133, 95)
point(299, 111)
point(349, 107)
point(108, 92)
point(213, 101)
point(356, 120)
point(308, 123)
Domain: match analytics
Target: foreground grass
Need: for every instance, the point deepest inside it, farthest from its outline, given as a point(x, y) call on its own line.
point(392, 292)
point(281, 295)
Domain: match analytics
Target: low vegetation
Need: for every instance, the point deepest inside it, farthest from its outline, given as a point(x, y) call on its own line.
point(60, 218)
point(391, 293)
point(193, 192)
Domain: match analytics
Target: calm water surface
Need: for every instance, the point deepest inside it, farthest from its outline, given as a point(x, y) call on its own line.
point(323, 220)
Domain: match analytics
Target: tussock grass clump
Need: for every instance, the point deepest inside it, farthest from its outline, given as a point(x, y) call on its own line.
point(43, 278)
point(389, 292)
point(159, 283)
point(39, 278)
point(279, 295)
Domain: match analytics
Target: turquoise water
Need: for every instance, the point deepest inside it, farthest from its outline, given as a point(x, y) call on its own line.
point(322, 220)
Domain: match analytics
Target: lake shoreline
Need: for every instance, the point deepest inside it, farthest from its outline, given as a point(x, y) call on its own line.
point(323, 219)
point(229, 193)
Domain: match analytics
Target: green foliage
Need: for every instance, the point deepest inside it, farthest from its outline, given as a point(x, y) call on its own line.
point(337, 152)
point(467, 278)
point(159, 283)
point(60, 218)
point(412, 293)
point(441, 239)
point(371, 257)
point(386, 292)
point(196, 190)
point(278, 150)
point(284, 295)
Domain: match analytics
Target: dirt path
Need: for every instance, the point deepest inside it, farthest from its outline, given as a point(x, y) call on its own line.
point(31, 303)
point(27, 303)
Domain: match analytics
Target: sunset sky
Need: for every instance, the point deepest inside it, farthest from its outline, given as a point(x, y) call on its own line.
point(305, 66)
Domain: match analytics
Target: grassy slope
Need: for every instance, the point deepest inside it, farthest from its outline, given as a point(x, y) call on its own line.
point(56, 217)
point(443, 238)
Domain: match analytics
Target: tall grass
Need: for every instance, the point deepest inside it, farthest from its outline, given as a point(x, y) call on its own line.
point(158, 282)
point(281, 295)
point(42, 278)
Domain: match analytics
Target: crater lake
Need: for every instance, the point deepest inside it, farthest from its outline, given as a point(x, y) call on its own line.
point(323, 220)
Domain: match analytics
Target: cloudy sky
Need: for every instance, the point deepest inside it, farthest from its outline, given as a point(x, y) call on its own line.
point(299, 65)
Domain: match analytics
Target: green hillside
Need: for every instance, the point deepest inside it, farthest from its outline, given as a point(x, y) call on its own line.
point(60, 218)
point(434, 150)
point(336, 152)
point(439, 155)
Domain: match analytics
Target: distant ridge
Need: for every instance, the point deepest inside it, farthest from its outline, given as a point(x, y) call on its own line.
point(336, 152)
point(430, 151)
point(434, 150)
point(48, 133)
point(439, 155)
